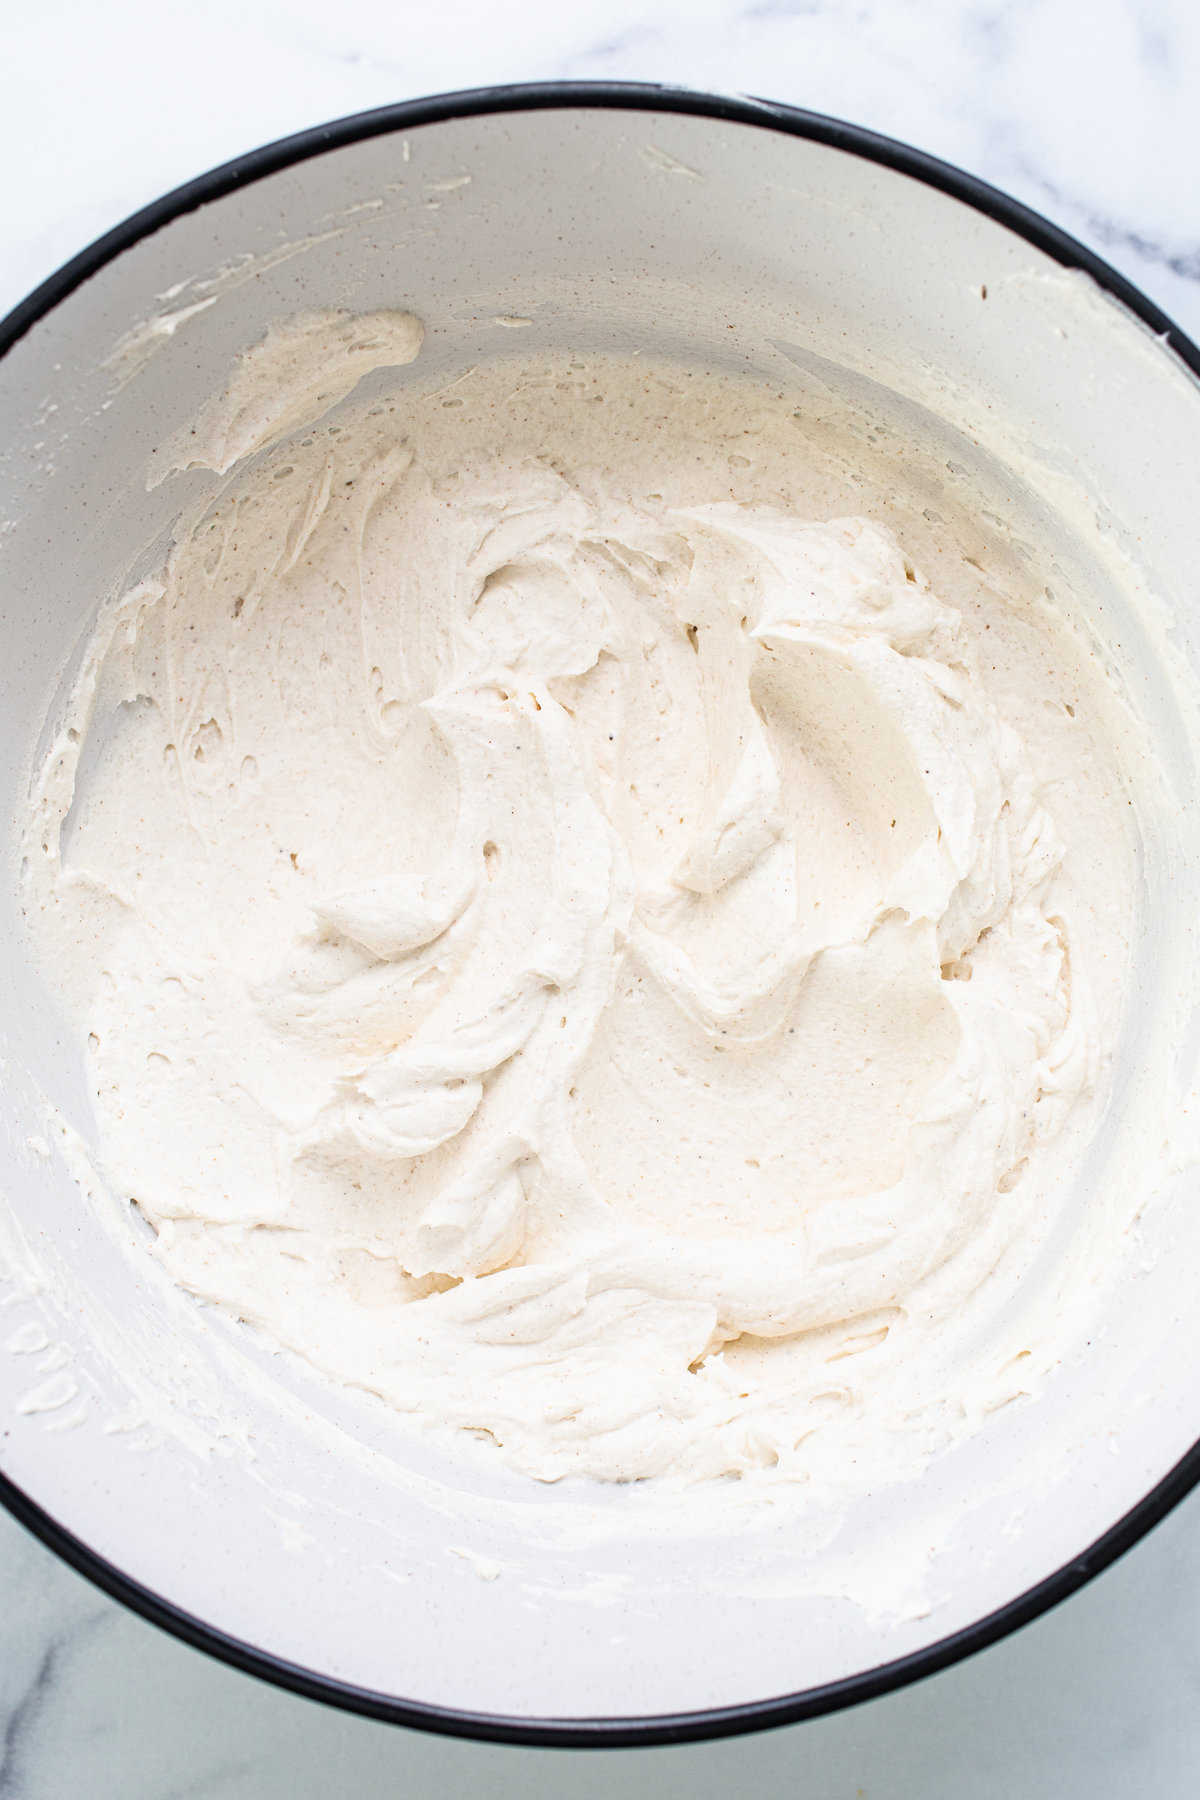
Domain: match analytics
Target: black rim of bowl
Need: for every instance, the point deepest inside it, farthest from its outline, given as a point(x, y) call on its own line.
point(595, 1733)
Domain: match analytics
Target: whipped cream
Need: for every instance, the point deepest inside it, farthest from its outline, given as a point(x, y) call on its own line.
point(600, 913)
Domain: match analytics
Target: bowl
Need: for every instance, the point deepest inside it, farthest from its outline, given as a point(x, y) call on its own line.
point(229, 1495)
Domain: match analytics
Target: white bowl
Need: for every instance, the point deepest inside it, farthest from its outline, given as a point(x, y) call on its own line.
point(300, 1533)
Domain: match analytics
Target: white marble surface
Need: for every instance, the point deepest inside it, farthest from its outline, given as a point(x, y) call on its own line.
point(1090, 113)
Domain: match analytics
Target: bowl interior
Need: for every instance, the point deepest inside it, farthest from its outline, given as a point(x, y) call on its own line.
point(235, 1484)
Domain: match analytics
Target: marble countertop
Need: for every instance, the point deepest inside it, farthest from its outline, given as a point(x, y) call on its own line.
point(1091, 115)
